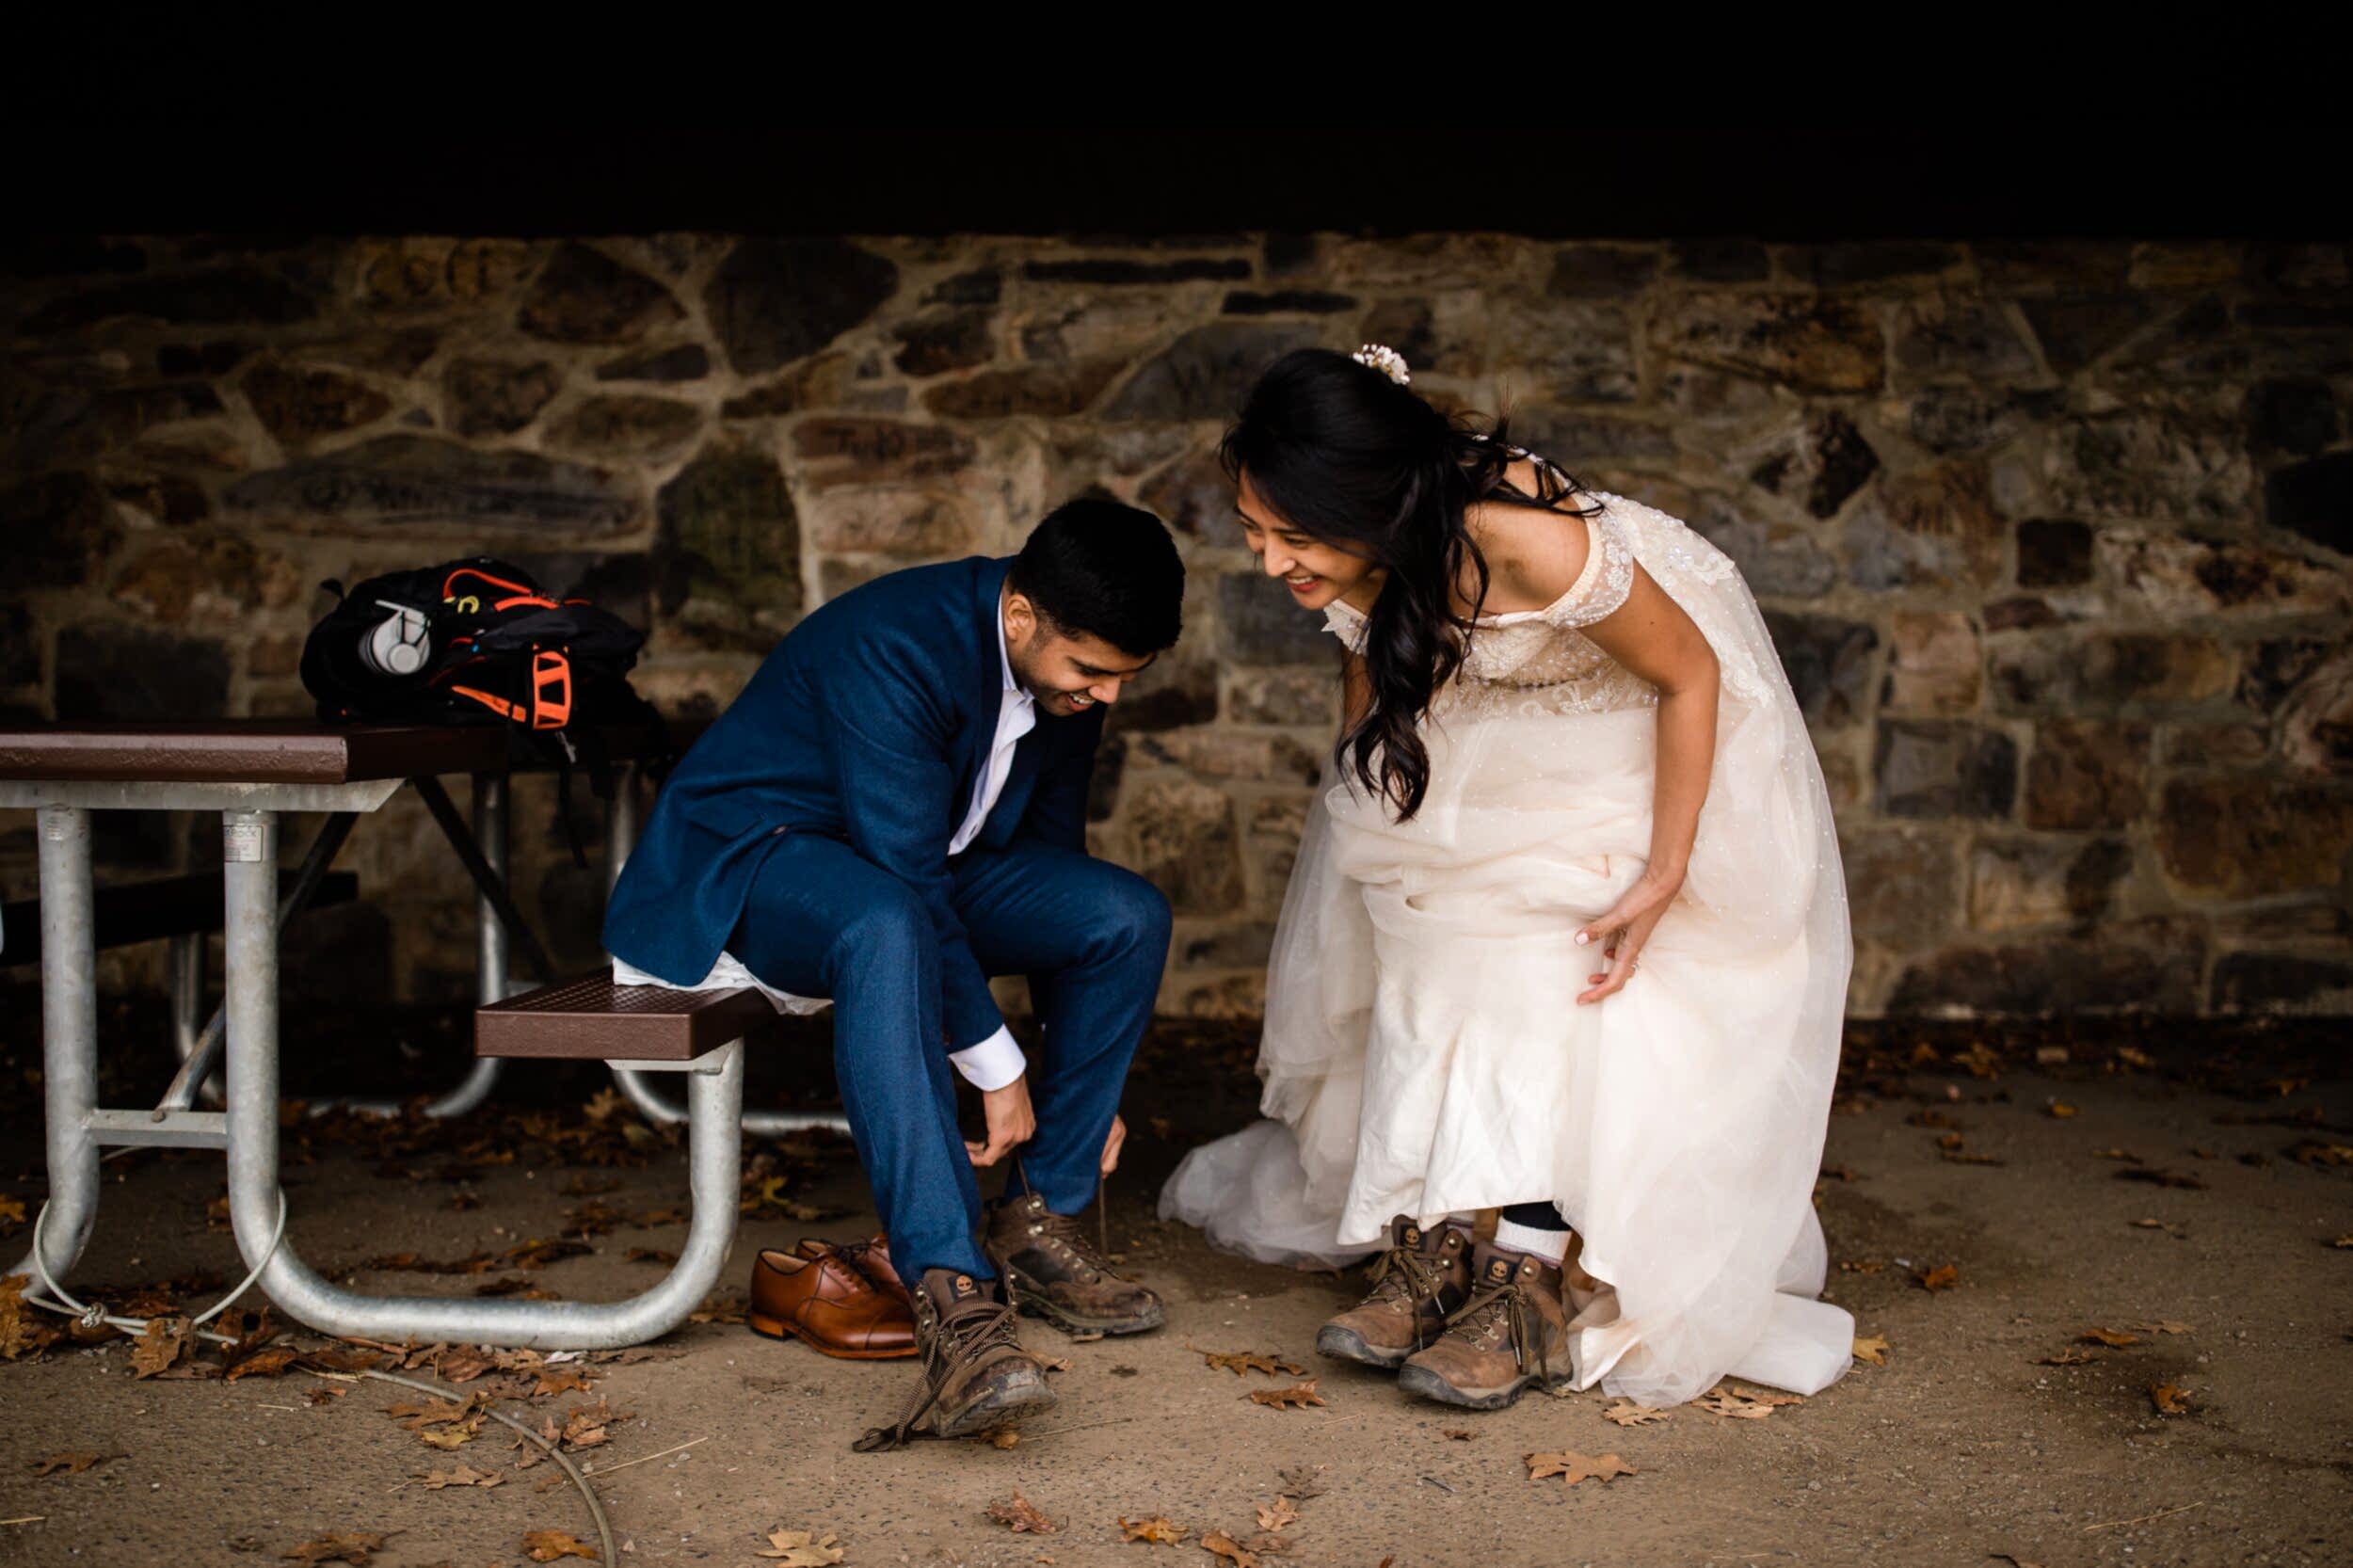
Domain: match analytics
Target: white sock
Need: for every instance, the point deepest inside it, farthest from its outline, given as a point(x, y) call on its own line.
point(1550, 1245)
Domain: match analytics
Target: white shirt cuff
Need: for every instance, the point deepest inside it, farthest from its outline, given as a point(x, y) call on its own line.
point(993, 1064)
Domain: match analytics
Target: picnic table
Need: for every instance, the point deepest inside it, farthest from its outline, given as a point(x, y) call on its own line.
point(252, 773)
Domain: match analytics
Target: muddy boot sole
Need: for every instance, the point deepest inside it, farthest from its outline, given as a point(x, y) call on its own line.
point(1033, 1300)
point(1430, 1386)
point(1005, 1405)
point(1346, 1344)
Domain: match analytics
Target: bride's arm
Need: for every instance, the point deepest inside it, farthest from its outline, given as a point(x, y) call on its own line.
point(1651, 636)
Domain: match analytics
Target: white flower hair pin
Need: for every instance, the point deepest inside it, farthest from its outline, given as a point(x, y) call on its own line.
point(1387, 361)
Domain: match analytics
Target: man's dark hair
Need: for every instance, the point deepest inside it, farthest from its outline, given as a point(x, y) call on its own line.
point(1100, 567)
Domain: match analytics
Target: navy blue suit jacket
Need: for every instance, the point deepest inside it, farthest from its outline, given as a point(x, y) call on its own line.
point(868, 723)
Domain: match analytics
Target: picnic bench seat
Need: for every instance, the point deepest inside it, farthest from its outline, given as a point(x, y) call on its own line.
point(148, 911)
point(592, 1019)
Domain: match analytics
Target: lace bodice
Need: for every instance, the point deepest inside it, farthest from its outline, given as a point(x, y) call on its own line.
point(1537, 660)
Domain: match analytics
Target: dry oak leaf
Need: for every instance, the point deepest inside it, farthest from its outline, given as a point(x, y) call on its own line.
point(547, 1545)
point(1277, 1516)
point(1722, 1401)
point(465, 1475)
point(1018, 1514)
point(1871, 1351)
point(1285, 1398)
point(462, 1364)
point(451, 1438)
point(1575, 1467)
point(2171, 1400)
point(2065, 1358)
point(352, 1548)
point(1156, 1529)
point(1239, 1362)
point(71, 1463)
point(1942, 1277)
point(2112, 1338)
point(263, 1364)
point(801, 1548)
point(1626, 1413)
point(162, 1345)
point(560, 1380)
point(1219, 1543)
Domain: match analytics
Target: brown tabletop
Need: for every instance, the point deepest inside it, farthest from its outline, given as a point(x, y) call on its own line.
point(277, 751)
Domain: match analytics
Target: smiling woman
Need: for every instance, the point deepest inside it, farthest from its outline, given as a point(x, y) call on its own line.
point(1567, 735)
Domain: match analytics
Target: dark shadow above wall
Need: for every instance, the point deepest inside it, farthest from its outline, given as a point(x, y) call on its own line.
point(1772, 183)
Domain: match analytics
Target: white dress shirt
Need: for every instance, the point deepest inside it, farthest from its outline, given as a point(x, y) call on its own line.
point(992, 1063)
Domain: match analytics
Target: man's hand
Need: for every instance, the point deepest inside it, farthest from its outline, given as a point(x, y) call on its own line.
point(1011, 1122)
point(1110, 1144)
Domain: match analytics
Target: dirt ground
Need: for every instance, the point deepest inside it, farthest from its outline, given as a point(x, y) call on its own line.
point(2195, 1207)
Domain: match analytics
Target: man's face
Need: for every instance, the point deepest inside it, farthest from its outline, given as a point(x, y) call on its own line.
point(1065, 675)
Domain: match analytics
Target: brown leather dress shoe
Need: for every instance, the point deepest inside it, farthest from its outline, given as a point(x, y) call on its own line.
point(830, 1306)
point(871, 1257)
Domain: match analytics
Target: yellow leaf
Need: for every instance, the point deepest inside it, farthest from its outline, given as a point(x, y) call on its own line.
point(1575, 1467)
point(1285, 1399)
point(1943, 1277)
point(2171, 1400)
point(2061, 1109)
point(1871, 1351)
point(801, 1548)
point(71, 1463)
point(1626, 1413)
point(1156, 1529)
point(547, 1545)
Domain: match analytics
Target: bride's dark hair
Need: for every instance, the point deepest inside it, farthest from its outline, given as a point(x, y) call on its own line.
point(1343, 454)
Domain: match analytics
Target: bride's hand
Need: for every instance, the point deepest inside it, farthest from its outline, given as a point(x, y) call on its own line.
point(1624, 931)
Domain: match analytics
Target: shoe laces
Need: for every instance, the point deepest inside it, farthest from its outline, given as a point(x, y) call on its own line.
point(1066, 1229)
point(959, 1340)
point(1475, 1317)
point(1407, 1276)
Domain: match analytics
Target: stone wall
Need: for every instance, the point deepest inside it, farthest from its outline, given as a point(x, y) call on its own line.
point(2053, 535)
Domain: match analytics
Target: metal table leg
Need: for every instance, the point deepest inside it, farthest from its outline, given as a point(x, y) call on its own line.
point(715, 1155)
point(620, 838)
point(68, 1006)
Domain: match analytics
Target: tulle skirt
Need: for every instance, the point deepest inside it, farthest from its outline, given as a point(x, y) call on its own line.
point(1424, 1051)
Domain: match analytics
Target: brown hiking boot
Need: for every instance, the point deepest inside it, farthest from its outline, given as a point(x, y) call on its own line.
point(1513, 1332)
point(1424, 1275)
point(1053, 1271)
point(976, 1376)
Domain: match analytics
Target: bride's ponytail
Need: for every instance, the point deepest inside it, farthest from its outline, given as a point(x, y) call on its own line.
point(1343, 452)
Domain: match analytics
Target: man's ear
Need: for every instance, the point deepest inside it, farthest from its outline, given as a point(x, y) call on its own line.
point(1020, 617)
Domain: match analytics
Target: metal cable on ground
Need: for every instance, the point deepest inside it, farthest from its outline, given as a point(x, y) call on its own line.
point(90, 1315)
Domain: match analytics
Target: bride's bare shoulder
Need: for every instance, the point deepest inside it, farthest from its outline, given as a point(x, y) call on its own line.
point(1533, 555)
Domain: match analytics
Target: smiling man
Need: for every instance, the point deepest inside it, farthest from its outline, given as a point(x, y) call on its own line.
point(893, 811)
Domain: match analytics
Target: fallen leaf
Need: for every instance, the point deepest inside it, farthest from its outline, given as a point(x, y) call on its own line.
point(1942, 1277)
point(451, 1438)
point(1018, 1514)
point(1156, 1529)
point(162, 1345)
point(352, 1548)
point(263, 1364)
point(801, 1548)
point(2065, 1358)
point(1219, 1543)
point(1459, 1435)
point(462, 1364)
point(559, 1380)
point(1871, 1351)
point(2061, 1109)
point(1965, 1158)
point(1575, 1467)
point(2345, 1240)
point(417, 1417)
point(465, 1475)
point(1003, 1437)
point(547, 1545)
point(1626, 1413)
point(1267, 1542)
point(2171, 1400)
point(1724, 1400)
point(1285, 1399)
point(2167, 1325)
point(71, 1463)
point(1280, 1514)
point(2110, 1337)
point(1239, 1362)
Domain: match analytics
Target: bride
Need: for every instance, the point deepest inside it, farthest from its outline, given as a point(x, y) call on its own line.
point(1567, 932)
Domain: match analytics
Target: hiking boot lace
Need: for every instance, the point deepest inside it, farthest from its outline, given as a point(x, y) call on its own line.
point(1477, 1316)
point(1406, 1277)
point(1064, 1228)
point(955, 1344)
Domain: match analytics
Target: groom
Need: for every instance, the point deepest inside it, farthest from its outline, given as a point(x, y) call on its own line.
point(893, 811)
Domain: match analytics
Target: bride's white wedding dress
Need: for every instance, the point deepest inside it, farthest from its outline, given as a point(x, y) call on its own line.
point(1424, 1052)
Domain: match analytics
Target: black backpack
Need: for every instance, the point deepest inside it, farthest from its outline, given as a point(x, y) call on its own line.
point(477, 641)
